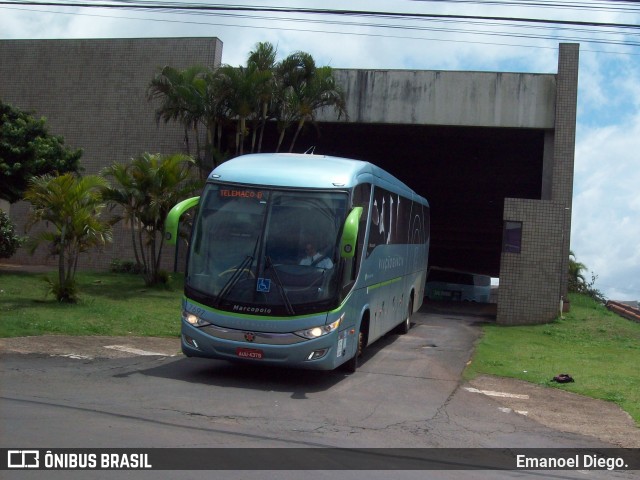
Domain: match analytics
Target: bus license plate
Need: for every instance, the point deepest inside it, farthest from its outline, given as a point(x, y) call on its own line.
point(252, 353)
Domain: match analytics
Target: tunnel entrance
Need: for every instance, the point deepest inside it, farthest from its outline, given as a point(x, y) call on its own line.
point(464, 172)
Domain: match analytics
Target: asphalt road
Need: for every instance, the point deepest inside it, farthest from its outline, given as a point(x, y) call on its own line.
point(138, 393)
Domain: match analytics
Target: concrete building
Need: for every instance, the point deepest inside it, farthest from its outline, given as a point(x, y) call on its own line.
point(493, 152)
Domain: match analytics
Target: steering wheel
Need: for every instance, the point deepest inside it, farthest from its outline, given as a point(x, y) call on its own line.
point(231, 271)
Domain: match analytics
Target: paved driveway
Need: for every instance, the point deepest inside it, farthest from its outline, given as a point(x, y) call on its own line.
point(407, 392)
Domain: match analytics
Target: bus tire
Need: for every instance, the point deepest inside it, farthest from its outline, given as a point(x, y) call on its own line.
point(404, 327)
point(351, 365)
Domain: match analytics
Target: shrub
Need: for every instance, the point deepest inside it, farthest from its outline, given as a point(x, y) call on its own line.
point(9, 241)
point(125, 266)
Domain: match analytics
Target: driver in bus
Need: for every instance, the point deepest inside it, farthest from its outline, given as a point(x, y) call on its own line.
point(314, 258)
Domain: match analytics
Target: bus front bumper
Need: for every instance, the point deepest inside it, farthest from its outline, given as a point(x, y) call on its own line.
point(322, 353)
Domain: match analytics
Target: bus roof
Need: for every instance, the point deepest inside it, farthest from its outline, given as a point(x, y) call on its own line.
point(305, 171)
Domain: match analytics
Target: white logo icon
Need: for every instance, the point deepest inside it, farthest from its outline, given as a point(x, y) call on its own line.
point(23, 458)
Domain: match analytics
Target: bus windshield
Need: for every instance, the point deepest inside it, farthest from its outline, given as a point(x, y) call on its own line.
point(266, 251)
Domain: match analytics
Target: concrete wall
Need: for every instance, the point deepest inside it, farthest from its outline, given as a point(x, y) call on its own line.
point(475, 99)
point(530, 280)
point(93, 93)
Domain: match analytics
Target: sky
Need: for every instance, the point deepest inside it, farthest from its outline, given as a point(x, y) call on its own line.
point(605, 234)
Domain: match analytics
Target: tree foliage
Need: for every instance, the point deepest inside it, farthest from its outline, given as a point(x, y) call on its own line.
point(577, 282)
point(71, 208)
point(9, 241)
point(146, 189)
point(28, 150)
point(288, 93)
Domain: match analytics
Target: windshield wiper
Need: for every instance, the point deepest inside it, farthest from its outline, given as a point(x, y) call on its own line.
point(283, 293)
point(239, 270)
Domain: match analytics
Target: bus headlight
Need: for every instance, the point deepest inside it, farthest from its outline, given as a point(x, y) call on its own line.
point(194, 320)
point(316, 332)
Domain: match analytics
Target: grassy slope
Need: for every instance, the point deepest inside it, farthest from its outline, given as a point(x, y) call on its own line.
point(599, 349)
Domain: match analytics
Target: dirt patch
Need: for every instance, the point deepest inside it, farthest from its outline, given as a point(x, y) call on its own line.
point(563, 411)
point(92, 347)
point(10, 267)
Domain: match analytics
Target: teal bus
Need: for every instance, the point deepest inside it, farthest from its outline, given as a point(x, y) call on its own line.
point(300, 260)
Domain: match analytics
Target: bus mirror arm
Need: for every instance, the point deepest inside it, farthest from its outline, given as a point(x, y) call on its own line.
point(350, 233)
point(173, 219)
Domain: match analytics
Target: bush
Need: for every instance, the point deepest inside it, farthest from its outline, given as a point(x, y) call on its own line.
point(9, 241)
point(577, 283)
point(125, 266)
point(590, 290)
point(66, 292)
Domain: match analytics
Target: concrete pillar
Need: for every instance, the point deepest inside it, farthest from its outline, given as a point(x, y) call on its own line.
point(565, 143)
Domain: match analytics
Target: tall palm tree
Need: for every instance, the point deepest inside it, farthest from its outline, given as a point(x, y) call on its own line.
point(285, 111)
point(73, 207)
point(214, 117)
point(182, 94)
point(295, 70)
point(263, 58)
point(318, 92)
point(291, 73)
point(124, 194)
point(239, 87)
point(303, 89)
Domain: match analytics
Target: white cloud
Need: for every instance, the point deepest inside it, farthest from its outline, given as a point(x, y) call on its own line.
point(606, 209)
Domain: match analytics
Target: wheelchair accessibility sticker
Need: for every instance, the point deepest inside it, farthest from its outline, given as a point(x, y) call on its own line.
point(264, 285)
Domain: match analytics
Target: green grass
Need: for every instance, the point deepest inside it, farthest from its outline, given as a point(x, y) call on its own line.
point(599, 349)
point(110, 304)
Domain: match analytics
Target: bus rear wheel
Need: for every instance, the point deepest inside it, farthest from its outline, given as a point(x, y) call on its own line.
point(404, 327)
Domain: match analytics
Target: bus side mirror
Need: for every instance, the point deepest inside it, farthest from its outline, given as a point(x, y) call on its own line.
point(350, 233)
point(173, 219)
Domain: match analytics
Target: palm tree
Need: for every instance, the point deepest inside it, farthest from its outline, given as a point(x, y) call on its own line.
point(302, 89)
point(125, 195)
point(263, 58)
point(148, 188)
point(295, 70)
point(285, 111)
point(320, 91)
point(291, 92)
point(239, 89)
point(577, 281)
point(182, 94)
point(72, 206)
point(214, 118)
point(291, 73)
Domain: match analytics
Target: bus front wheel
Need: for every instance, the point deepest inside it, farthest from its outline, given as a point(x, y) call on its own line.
point(351, 365)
